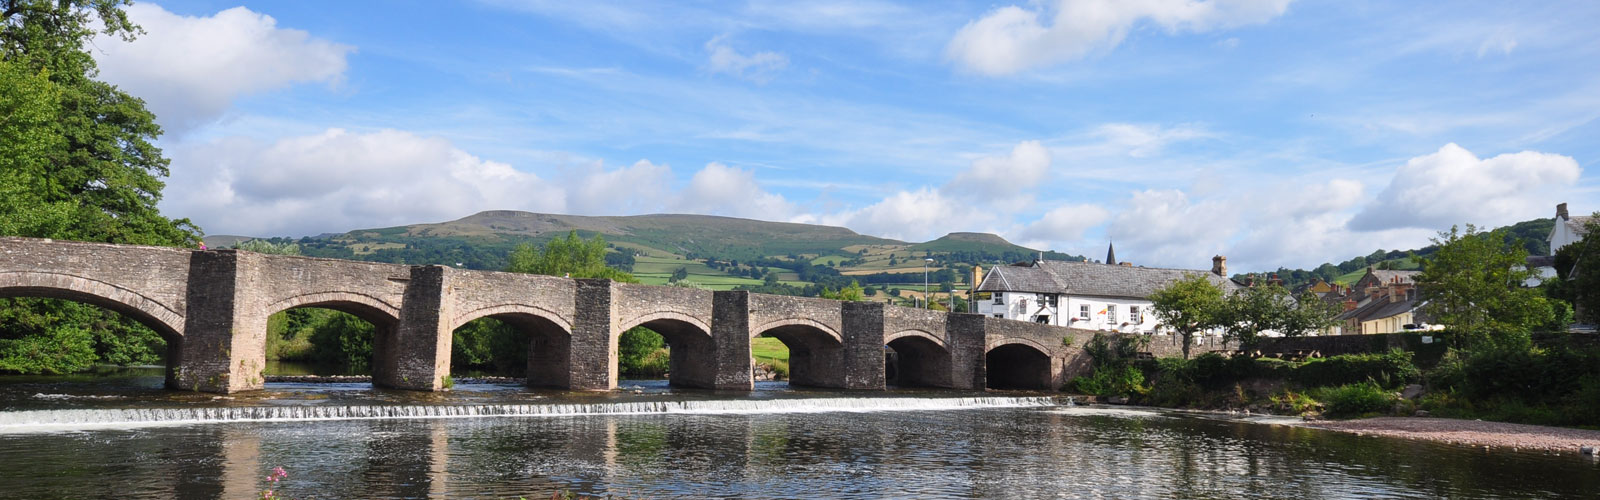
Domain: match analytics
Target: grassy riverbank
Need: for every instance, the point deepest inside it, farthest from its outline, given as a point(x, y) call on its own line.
point(1556, 384)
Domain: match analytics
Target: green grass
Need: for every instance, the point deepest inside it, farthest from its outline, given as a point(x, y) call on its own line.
point(769, 349)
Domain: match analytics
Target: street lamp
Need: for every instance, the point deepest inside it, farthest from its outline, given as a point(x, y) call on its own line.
point(925, 263)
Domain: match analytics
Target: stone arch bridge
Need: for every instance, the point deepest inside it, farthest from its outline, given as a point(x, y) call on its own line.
point(211, 307)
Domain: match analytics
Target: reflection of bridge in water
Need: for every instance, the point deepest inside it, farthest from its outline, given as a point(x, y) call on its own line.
point(211, 307)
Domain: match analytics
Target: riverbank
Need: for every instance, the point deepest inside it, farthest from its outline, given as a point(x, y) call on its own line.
point(1475, 433)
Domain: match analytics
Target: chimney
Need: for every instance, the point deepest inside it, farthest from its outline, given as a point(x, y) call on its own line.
point(1561, 211)
point(1349, 305)
point(1219, 266)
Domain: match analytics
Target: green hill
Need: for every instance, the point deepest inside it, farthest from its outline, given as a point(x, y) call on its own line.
point(715, 252)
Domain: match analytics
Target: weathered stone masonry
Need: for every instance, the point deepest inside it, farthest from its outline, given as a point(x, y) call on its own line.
point(211, 306)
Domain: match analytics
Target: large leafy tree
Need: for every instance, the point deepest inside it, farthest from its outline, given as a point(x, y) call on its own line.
point(1245, 315)
point(1189, 306)
point(76, 162)
point(1474, 285)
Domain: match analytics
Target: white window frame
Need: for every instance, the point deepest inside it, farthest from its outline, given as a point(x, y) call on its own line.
point(1111, 314)
point(1083, 311)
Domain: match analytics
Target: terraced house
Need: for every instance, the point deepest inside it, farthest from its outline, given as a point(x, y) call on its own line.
point(1089, 295)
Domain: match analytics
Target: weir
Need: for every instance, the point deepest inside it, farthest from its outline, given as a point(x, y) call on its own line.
point(212, 306)
point(78, 419)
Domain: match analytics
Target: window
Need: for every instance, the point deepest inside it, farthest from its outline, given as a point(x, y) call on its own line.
point(998, 300)
point(1001, 316)
point(1111, 314)
point(1083, 311)
point(1133, 315)
point(1050, 300)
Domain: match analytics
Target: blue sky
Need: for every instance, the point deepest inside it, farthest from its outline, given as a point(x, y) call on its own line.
point(1277, 132)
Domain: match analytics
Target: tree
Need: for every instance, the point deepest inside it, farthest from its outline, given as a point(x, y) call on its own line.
point(852, 293)
point(101, 163)
point(1244, 315)
point(570, 256)
point(76, 162)
point(1309, 314)
point(1473, 284)
point(678, 274)
point(1190, 305)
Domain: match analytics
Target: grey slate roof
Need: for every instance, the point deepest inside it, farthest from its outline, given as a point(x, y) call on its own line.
point(1091, 279)
point(1379, 309)
point(1577, 224)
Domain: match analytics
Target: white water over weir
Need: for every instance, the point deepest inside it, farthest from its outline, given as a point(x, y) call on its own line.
point(77, 419)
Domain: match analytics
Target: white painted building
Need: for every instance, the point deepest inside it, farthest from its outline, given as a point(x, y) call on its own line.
point(1568, 229)
point(1084, 295)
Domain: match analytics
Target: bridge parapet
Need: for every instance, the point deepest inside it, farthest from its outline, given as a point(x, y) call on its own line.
point(147, 283)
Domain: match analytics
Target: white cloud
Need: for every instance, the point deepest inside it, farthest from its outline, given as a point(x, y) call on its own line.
point(995, 177)
point(1012, 39)
point(1065, 223)
point(1143, 141)
point(1454, 186)
point(719, 189)
point(190, 69)
point(919, 215)
point(339, 180)
point(759, 67)
point(637, 189)
point(1167, 228)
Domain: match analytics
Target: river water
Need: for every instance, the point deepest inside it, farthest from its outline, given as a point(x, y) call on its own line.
point(119, 435)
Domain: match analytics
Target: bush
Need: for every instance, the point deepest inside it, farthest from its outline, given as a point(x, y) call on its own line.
point(1112, 381)
point(1390, 369)
point(1357, 399)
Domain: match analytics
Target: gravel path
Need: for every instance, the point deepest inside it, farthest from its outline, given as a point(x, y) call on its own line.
point(1470, 432)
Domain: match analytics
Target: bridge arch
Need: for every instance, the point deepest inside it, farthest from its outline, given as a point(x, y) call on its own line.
point(383, 316)
point(916, 358)
point(691, 352)
point(1018, 364)
point(816, 351)
point(372, 309)
point(152, 313)
point(549, 340)
point(797, 325)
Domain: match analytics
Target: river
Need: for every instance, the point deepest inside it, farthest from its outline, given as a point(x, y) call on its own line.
point(119, 435)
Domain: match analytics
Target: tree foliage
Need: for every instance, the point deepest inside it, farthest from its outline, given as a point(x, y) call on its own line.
point(1189, 306)
point(1474, 286)
point(76, 162)
point(571, 256)
point(851, 293)
point(1243, 316)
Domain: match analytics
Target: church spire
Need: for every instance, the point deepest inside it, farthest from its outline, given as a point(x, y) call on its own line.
point(1111, 253)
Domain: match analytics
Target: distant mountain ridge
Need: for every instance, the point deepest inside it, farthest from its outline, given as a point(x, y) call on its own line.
point(482, 241)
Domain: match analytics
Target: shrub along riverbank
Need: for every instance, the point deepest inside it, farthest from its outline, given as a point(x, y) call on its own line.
point(1557, 383)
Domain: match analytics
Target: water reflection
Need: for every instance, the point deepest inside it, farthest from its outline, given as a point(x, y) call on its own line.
point(1053, 452)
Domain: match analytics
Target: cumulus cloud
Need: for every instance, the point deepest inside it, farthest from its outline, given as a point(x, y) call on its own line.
point(719, 189)
point(1000, 176)
point(1065, 223)
point(339, 180)
point(636, 189)
point(759, 67)
point(1454, 186)
point(190, 69)
point(917, 215)
point(1012, 39)
point(1167, 227)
